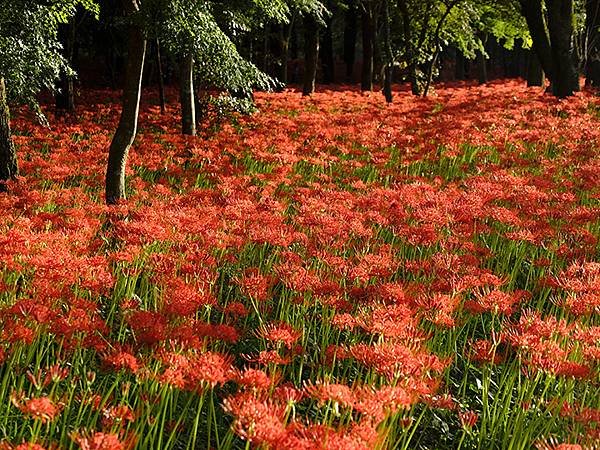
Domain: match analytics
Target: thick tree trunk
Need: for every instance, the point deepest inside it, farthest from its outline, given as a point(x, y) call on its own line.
point(127, 128)
point(161, 79)
point(592, 25)
point(65, 97)
point(368, 37)
point(552, 42)
point(535, 73)
point(350, 27)
point(388, 70)
point(8, 156)
point(327, 57)
point(186, 96)
point(311, 54)
point(560, 28)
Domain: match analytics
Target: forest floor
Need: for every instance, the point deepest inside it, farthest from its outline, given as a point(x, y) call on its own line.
point(330, 272)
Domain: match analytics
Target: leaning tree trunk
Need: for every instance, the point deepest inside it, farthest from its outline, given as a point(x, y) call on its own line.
point(65, 97)
point(560, 28)
point(350, 26)
point(535, 73)
point(534, 16)
point(368, 37)
point(8, 156)
point(186, 96)
point(592, 19)
point(127, 128)
point(311, 54)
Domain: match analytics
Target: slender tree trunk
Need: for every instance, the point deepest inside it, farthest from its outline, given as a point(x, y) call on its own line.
point(459, 69)
point(186, 96)
point(65, 97)
point(368, 36)
point(350, 27)
point(311, 54)
point(161, 79)
point(127, 128)
point(560, 28)
point(388, 70)
point(592, 25)
point(535, 73)
point(482, 68)
point(327, 57)
point(8, 156)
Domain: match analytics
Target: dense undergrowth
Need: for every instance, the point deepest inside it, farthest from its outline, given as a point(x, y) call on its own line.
point(329, 273)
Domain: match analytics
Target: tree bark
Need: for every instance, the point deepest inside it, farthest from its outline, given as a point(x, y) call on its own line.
point(127, 128)
point(388, 69)
point(552, 42)
point(535, 73)
point(560, 30)
point(311, 54)
point(459, 69)
point(65, 97)
point(592, 25)
point(161, 79)
point(482, 68)
point(186, 96)
point(350, 27)
point(368, 37)
point(9, 168)
point(327, 57)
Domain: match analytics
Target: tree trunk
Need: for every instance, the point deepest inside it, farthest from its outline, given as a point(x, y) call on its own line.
point(311, 54)
point(161, 80)
point(482, 68)
point(368, 36)
point(459, 69)
point(65, 97)
point(8, 156)
point(350, 26)
point(127, 128)
point(327, 57)
point(560, 28)
point(592, 25)
point(186, 96)
point(388, 70)
point(535, 73)
point(534, 16)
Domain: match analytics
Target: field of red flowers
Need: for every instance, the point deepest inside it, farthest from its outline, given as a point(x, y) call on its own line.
point(328, 273)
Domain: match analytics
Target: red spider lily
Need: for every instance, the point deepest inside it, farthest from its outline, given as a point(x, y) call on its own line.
point(42, 408)
point(468, 419)
point(281, 333)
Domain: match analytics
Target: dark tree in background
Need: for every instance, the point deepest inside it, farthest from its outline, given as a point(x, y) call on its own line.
point(311, 54)
point(592, 30)
point(8, 156)
point(552, 34)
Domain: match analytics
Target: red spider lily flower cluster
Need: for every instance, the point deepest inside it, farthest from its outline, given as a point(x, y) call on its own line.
point(320, 270)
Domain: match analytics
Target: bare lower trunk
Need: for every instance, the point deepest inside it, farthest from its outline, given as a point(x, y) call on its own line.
point(161, 80)
point(560, 28)
point(592, 25)
point(127, 129)
point(311, 54)
point(368, 36)
point(65, 97)
point(388, 69)
point(535, 73)
point(186, 96)
point(350, 27)
point(8, 156)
